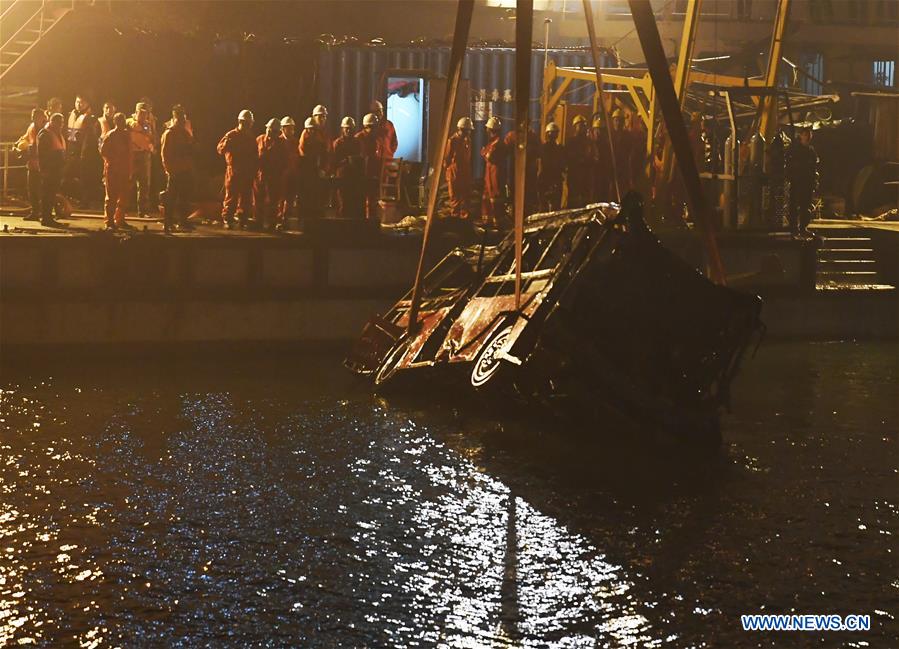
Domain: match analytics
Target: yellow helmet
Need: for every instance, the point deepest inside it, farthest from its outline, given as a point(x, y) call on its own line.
point(578, 119)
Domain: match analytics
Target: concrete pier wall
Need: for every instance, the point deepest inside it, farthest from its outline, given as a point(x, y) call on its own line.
point(178, 289)
point(149, 289)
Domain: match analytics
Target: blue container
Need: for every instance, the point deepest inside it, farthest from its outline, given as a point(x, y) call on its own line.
point(349, 78)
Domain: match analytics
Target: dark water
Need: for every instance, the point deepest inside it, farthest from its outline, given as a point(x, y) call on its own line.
point(275, 502)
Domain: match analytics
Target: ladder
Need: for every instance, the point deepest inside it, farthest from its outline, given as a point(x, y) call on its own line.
point(846, 261)
point(24, 23)
point(391, 180)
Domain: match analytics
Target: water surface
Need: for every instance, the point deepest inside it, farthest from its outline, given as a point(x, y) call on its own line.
point(246, 502)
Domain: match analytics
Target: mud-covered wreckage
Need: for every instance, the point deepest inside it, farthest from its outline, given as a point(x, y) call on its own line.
point(608, 318)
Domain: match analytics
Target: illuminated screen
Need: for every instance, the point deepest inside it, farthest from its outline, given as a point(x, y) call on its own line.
point(405, 108)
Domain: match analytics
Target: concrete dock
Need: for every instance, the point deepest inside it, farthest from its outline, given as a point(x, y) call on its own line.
point(78, 285)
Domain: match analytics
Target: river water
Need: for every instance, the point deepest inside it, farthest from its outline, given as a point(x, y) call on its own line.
point(275, 502)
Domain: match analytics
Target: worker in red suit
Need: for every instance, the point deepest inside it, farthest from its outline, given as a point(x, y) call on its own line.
point(269, 186)
point(292, 172)
point(238, 146)
point(370, 149)
point(457, 164)
point(551, 172)
point(385, 130)
point(348, 172)
point(117, 167)
point(314, 153)
point(530, 171)
point(496, 155)
point(579, 163)
point(177, 149)
point(320, 120)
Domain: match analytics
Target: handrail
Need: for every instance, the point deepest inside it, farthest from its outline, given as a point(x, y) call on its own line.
point(11, 6)
point(24, 25)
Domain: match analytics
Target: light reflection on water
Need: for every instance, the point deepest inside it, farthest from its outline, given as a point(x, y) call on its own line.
point(207, 506)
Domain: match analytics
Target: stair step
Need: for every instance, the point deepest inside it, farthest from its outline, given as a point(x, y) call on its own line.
point(845, 274)
point(843, 239)
point(846, 261)
point(852, 286)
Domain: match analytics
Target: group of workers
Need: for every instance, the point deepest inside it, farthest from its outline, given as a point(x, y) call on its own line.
point(583, 169)
point(269, 175)
point(266, 177)
point(74, 155)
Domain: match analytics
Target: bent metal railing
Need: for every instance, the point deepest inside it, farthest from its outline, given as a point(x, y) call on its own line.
point(9, 160)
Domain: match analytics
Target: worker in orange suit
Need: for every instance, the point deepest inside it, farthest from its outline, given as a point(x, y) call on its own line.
point(117, 168)
point(551, 171)
point(177, 162)
point(386, 131)
point(348, 172)
point(530, 169)
point(292, 172)
point(457, 164)
point(270, 179)
point(314, 153)
point(370, 149)
point(238, 146)
point(579, 163)
point(496, 155)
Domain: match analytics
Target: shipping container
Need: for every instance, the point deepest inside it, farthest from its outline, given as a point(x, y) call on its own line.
point(349, 78)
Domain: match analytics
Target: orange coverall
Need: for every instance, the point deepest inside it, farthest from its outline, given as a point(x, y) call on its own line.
point(348, 169)
point(270, 179)
point(291, 177)
point(457, 162)
point(496, 155)
point(117, 166)
point(549, 180)
point(314, 151)
point(370, 147)
point(242, 160)
point(387, 134)
point(530, 171)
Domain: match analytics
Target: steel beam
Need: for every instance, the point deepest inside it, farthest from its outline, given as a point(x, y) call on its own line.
point(524, 27)
point(460, 42)
point(656, 61)
point(597, 71)
point(768, 105)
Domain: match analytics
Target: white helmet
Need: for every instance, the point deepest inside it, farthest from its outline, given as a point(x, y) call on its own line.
point(308, 123)
point(245, 116)
point(319, 110)
point(273, 123)
point(493, 124)
point(370, 120)
point(347, 122)
point(287, 120)
point(465, 123)
point(552, 126)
